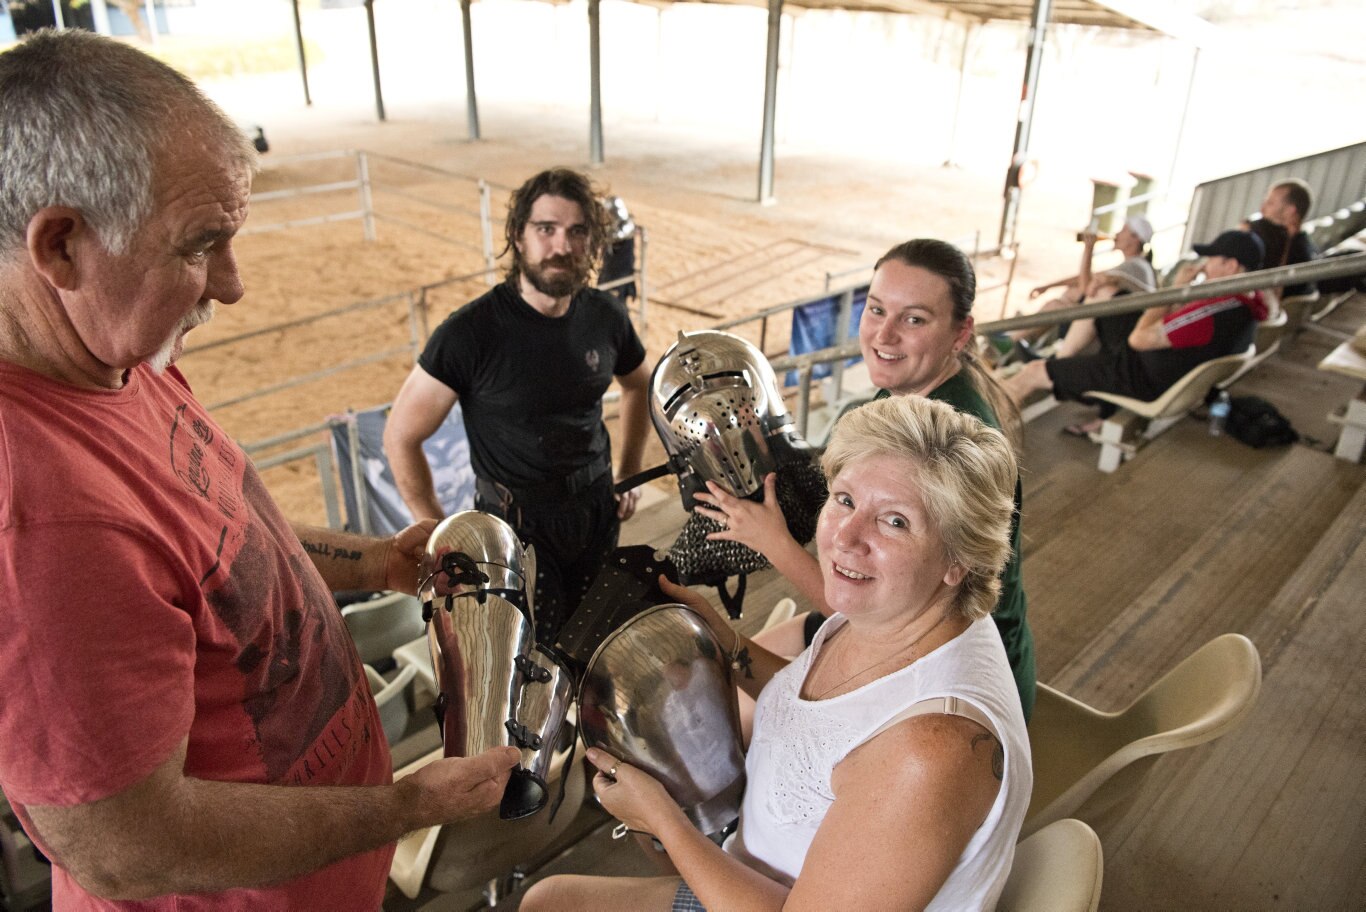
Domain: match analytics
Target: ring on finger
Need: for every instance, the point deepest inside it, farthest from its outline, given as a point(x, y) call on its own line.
point(612, 773)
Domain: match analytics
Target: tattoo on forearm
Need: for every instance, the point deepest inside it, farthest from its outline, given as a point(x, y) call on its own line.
point(998, 755)
point(742, 663)
point(323, 549)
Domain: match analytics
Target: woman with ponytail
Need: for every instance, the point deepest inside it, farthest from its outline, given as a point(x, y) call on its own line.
point(916, 335)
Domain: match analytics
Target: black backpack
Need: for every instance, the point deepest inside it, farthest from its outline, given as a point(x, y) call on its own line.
point(1257, 423)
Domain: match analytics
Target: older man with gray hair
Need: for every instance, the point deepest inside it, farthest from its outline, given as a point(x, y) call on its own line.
point(185, 723)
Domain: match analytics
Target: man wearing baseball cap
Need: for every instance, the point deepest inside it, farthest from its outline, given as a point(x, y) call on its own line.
point(1167, 342)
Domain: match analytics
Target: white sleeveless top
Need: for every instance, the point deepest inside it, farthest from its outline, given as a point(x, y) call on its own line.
point(797, 743)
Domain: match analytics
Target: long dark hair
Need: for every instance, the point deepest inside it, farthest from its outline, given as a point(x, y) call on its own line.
point(564, 183)
point(953, 266)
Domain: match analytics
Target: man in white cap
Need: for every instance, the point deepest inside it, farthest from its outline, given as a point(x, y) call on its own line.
point(1131, 240)
point(1132, 276)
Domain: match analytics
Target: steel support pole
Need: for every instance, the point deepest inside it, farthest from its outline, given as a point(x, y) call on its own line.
point(57, 14)
point(299, 46)
point(471, 102)
point(1038, 29)
point(1181, 126)
point(775, 27)
point(374, 58)
point(643, 275)
point(151, 13)
point(100, 10)
point(594, 83)
point(968, 29)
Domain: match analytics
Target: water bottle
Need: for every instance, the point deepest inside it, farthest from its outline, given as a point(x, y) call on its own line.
point(1218, 413)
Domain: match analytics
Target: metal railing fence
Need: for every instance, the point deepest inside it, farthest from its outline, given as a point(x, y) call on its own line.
point(418, 300)
point(1313, 271)
point(366, 186)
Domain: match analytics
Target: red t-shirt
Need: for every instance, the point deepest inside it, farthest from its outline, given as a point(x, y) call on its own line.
point(1201, 322)
point(151, 590)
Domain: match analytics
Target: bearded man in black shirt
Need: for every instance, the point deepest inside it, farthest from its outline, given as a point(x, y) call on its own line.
point(529, 363)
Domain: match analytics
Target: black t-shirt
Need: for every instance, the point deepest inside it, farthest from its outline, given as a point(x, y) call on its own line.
point(1302, 250)
point(531, 386)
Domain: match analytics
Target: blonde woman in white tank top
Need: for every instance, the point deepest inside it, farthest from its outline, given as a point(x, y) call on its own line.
point(890, 766)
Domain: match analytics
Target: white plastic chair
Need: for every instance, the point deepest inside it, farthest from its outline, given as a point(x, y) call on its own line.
point(1296, 309)
point(1164, 411)
point(783, 610)
point(1058, 869)
point(394, 700)
point(1089, 763)
point(417, 654)
point(383, 624)
point(1266, 342)
point(1333, 303)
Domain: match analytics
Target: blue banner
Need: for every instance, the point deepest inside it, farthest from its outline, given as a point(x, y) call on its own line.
point(448, 453)
point(814, 327)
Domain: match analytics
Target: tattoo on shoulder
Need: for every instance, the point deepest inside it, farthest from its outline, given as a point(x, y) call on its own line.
point(998, 754)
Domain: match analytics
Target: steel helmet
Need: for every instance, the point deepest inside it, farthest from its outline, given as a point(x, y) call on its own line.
point(717, 407)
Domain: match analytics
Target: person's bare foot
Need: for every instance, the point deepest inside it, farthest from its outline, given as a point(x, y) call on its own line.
point(1028, 380)
point(1084, 428)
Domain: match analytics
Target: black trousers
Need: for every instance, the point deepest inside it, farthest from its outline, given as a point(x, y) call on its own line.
point(573, 535)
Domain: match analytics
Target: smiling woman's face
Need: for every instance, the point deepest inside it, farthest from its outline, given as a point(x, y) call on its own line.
point(909, 338)
point(881, 555)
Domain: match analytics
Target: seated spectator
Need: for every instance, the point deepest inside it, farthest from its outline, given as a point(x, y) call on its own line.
point(1287, 204)
point(1132, 240)
point(1110, 334)
point(1134, 274)
point(1275, 239)
point(1166, 342)
point(864, 789)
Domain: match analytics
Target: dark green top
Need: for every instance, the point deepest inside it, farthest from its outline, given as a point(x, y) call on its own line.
point(1009, 615)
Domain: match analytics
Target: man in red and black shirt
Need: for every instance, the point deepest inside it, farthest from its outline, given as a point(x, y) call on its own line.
point(1167, 342)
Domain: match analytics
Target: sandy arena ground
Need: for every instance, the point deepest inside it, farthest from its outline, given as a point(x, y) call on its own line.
point(713, 252)
point(710, 258)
